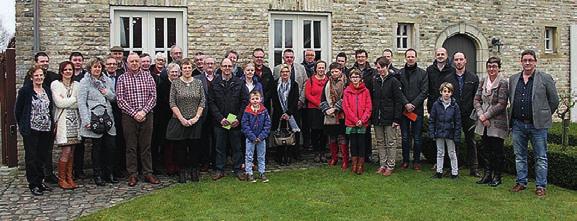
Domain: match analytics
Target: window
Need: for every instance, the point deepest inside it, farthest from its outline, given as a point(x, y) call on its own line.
point(299, 32)
point(151, 31)
point(550, 38)
point(404, 36)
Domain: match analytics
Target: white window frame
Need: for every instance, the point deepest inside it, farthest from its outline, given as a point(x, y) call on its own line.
point(409, 36)
point(549, 39)
point(297, 36)
point(149, 14)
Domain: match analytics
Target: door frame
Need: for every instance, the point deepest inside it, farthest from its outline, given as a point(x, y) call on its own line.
point(8, 100)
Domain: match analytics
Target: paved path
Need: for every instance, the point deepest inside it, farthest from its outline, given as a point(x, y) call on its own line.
point(17, 203)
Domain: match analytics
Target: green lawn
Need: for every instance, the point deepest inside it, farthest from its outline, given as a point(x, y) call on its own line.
point(327, 194)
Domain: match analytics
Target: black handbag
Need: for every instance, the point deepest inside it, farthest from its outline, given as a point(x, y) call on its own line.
point(100, 124)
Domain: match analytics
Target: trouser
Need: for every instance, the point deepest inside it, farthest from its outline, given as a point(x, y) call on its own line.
point(158, 139)
point(102, 154)
point(411, 131)
point(260, 151)
point(137, 137)
point(522, 133)
point(47, 167)
point(187, 153)
point(368, 144)
point(223, 138)
point(441, 155)
point(469, 131)
point(79, 157)
point(357, 144)
point(207, 142)
point(306, 128)
point(387, 143)
point(318, 140)
point(491, 153)
point(119, 152)
point(35, 148)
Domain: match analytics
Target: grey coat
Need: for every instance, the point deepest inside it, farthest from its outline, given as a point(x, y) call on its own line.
point(493, 105)
point(545, 99)
point(88, 97)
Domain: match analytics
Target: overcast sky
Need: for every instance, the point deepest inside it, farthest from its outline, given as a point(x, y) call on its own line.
point(8, 18)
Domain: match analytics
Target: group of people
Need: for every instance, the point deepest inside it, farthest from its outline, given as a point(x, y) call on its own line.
point(197, 116)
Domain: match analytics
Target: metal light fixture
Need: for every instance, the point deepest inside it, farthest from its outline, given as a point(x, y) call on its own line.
point(496, 42)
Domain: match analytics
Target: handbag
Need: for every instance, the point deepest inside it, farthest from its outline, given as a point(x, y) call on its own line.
point(283, 136)
point(100, 124)
point(55, 124)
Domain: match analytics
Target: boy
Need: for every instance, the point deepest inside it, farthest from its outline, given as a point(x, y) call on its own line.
point(256, 127)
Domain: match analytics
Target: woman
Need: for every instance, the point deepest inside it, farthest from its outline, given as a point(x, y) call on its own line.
point(334, 118)
point(492, 124)
point(285, 106)
point(313, 91)
point(32, 112)
point(187, 103)
point(386, 115)
point(164, 114)
point(357, 108)
point(159, 65)
point(95, 94)
point(66, 120)
point(250, 81)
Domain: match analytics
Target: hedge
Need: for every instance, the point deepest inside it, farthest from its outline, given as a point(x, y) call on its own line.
point(556, 133)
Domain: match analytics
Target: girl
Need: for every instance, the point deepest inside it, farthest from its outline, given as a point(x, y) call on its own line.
point(334, 119)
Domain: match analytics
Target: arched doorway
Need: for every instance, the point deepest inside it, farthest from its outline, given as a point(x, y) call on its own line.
point(462, 43)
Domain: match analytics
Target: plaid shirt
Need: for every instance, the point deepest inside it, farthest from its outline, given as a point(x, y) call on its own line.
point(135, 92)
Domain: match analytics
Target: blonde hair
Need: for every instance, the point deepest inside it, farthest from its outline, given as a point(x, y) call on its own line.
point(447, 85)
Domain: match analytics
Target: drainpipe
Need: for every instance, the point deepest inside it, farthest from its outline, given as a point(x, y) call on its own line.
point(36, 26)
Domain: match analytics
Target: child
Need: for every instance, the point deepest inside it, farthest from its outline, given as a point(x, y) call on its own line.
point(357, 107)
point(334, 120)
point(256, 127)
point(445, 127)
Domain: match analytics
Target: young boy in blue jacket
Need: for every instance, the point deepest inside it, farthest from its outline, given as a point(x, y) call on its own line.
point(256, 128)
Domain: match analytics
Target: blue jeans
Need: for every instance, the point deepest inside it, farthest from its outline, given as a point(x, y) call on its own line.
point(410, 129)
point(223, 138)
point(260, 151)
point(521, 134)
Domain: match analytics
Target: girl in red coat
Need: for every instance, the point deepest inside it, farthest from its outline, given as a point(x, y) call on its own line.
point(357, 107)
point(313, 92)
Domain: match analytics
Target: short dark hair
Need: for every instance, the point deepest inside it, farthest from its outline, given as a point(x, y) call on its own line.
point(411, 49)
point(257, 49)
point(288, 50)
point(230, 52)
point(75, 54)
point(529, 52)
point(187, 61)
point(383, 62)
point(144, 55)
point(335, 65)
point(342, 55)
point(198, 53)
point(40, 54)
point(361, 51)
point(492, 60)
point(63, 65)
point(388, 50)
point(464, 55)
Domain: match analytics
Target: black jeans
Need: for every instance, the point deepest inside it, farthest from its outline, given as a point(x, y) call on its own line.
point(223, 138)
point(318, 140)
point(357, 146)
point(102, 154)
point(491, 153)
point(469, 131)
point(79, 157)
point(36, 148)
point(187, 153)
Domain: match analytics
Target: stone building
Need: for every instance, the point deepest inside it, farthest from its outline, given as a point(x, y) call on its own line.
point(480, 28)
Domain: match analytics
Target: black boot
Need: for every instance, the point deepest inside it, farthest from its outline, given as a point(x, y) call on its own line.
point(487, 177)
point(110, 178)
point(496, 180)
point(182, 175)
point(194, 175)
point(98, 179)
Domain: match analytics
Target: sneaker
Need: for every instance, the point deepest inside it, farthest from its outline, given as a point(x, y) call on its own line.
point(250, 178)
point(437, 176)
point(264, 178)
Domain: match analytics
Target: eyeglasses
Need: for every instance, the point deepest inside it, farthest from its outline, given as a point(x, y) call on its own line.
point(111, 64)
point(226, 66)
point(528, 60)
point(259, 57)
point(285, 71)
point(493, 66)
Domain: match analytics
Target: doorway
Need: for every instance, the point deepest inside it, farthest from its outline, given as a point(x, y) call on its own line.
point(462, 43)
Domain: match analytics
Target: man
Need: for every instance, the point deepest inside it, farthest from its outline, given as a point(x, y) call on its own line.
point(388, 54)
point(237, 71)
point(415, 86)
point(145, 62)
point(199, 62)
point(465, 86)
point(264, 75)
point(361, 58)
point(77, 60)
point(175, 54)
point(136, 97)
point(145, 66)
point(113, 72)
point(342, 60)
point(118, 53)
point(437, 72)
point(227, 97)
point(309, 62)
point(533, 97)
point(207, 151)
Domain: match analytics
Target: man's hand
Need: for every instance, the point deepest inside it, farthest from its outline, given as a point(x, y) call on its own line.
point(224, 122)
point(395, 125)
point(257, 140)
point(235, 123)
point(409, 107)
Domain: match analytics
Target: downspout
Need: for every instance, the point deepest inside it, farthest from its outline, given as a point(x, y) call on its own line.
point(36, 25)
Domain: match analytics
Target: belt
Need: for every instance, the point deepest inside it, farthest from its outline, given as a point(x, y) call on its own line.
point(525, 121)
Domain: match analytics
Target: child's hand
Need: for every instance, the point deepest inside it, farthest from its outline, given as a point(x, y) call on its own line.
point(257, 140)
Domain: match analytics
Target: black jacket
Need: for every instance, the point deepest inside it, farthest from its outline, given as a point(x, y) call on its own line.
point(268, 85)
point(23, 107)
point(386, 95)
point(436, 78)
point(464, 98)
point(227, 97)
point(415, 86)
point(292, 102)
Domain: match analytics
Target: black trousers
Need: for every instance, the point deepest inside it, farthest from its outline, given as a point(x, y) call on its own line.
point(318, 140)
point(79, 157)
point(491, 153)
point(207, 143)
point(357, 145)
point(103, 158)
point(187, 153)
point(36, 149)
point(469, 130)
point(368, 144)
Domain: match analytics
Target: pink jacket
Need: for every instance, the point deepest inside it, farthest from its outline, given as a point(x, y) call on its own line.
point(357, 105)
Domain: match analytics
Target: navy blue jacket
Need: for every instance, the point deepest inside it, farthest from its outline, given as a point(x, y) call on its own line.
point(445, 123)
point(256, 124)
point(23, 107)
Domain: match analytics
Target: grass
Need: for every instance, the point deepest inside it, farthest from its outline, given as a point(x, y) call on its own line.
point(327, 194)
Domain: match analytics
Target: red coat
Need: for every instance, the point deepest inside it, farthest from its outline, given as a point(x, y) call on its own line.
point(357, 105)
point(314, 90)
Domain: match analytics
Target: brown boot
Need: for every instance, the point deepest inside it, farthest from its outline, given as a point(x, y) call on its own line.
point(354, 164)
point(345, 155)
point(361, 165)
point(69, 177)
point(62, 176)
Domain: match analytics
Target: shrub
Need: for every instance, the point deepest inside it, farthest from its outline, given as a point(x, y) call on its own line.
point(556, 133)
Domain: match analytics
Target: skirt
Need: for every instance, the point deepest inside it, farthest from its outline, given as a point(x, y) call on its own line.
point(334, 130)
point(175, 130)
point(72, 127)
point(315, 118)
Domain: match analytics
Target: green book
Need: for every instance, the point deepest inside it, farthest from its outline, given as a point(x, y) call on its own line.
point(230, 118)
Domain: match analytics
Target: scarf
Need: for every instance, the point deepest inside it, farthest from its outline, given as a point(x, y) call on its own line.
point(336, 90)
point(283, 90)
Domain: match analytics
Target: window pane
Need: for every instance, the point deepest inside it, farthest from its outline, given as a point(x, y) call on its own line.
point(317, 34)
point(405, 43)
point(159, 32)
point(317, 55)
point(137, 32)
point(277, 58)
point(288, 33)
point(124, 32)
point(171, 25)
point(307, 34)
point(277, 33)
point(399, 43)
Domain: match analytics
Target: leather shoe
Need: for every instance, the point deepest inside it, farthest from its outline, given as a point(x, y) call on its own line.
point(151, 179)
point(540, 191)
point(36, 191)
point(111, 178)
point(417, 166)
point(99, 181)
point(43, 187)
point(518, 188)
point(132, 180)
point(217, 176)
point(404, 165)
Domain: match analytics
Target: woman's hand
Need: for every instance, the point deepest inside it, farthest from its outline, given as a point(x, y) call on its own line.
point(486, 123)
point(330, 111)
point(482, 118)
point(285, 116)
point(359, 123)
point(184, 122)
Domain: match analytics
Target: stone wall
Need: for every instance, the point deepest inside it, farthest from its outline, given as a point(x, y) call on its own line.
point(215, 26)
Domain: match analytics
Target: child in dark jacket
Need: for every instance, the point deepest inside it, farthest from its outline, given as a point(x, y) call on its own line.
point(445, 128)
point(256, 128)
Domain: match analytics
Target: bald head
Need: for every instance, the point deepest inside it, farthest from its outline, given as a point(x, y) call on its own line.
point(441, 55)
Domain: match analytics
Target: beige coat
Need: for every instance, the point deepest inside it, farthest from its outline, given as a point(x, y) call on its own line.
point(62, 103)
point(494, 106)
